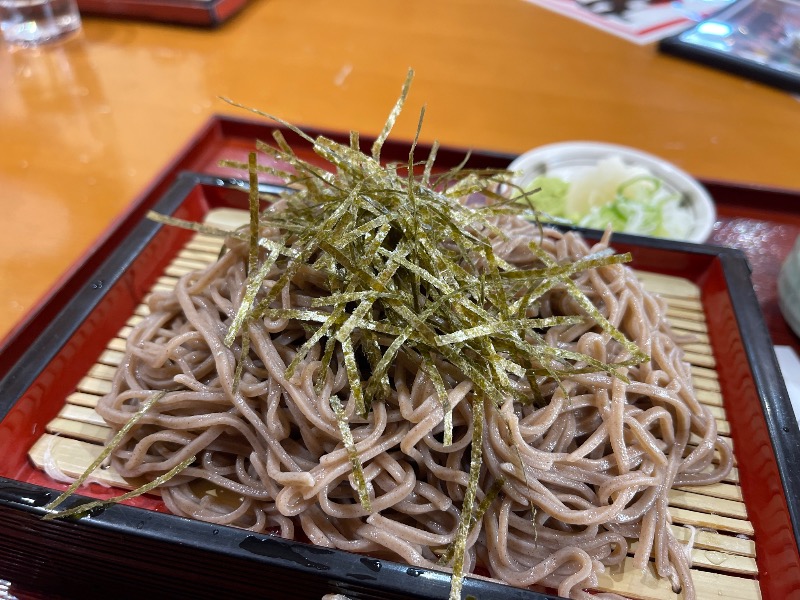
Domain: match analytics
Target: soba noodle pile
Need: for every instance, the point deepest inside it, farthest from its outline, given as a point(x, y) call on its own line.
point(378, 367)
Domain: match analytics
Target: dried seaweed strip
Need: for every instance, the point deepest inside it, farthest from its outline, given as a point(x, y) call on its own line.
point(325, 361)
point(429, 366)
point(253, 201)
point(378, 224)
point(352, 453)
point(286, 124)
point(237, 375)
point(107, 450)
point(87, 507)
point(308, 245)
point(191, 225)
point(322, 330)
point(505, 326)
point(387, 128)
point(460, 541)
point(358, 314)
point(337, 299)
point(477, 515)
point(298, 314)
point(254, 282)
point(354, 377)
point(381, 369)
point(637, 356)
point(426, 175)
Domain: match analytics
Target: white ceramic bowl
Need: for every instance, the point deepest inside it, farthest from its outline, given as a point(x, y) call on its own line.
point(789, 288)
point(564, 160)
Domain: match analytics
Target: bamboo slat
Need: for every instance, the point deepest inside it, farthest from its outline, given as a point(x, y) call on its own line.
point(82, 414)
point(723, 561)
point(714, 517)
point(83, 399)
point(634, 583)
point(710, 521)
point(718, 560)
point(718, 490)
point(72, 457)
point(707, 539)
point(669, 286)
point(707, 504)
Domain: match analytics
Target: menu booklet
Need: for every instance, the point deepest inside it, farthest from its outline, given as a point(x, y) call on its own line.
point(759, 39)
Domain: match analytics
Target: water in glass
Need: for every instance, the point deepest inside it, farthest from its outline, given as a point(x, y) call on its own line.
point(33, 22)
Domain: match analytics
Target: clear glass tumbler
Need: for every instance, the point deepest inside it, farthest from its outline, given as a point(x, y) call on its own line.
point(34, 22)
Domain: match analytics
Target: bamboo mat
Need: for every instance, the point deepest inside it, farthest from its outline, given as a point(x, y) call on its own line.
point(715, 516)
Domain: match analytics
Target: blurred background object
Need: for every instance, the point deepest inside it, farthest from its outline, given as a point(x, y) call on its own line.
point(34, 22)
point(598, 185)
point(754, 38)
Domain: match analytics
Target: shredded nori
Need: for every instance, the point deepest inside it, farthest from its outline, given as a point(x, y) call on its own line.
point(410, 269)
point(109, 448)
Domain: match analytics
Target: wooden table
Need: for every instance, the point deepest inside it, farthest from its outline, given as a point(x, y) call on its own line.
point(84, 126)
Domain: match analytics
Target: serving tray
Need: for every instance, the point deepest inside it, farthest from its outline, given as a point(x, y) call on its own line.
point(75, 437)
point(201, 13)
point(165, 555)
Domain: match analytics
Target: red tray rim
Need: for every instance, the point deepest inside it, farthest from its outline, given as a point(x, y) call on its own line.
point(785, 436)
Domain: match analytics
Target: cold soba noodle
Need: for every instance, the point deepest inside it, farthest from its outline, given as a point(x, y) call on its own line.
point(432, 426)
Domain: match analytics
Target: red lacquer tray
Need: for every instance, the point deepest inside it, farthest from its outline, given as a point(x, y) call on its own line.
point(165, 554)
point(162, 555)
point(202, 13)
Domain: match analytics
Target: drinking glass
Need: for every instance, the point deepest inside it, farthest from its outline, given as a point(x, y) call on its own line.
point(34, 22)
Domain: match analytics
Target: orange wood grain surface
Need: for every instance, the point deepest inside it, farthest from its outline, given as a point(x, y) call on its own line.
point(87, 124)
